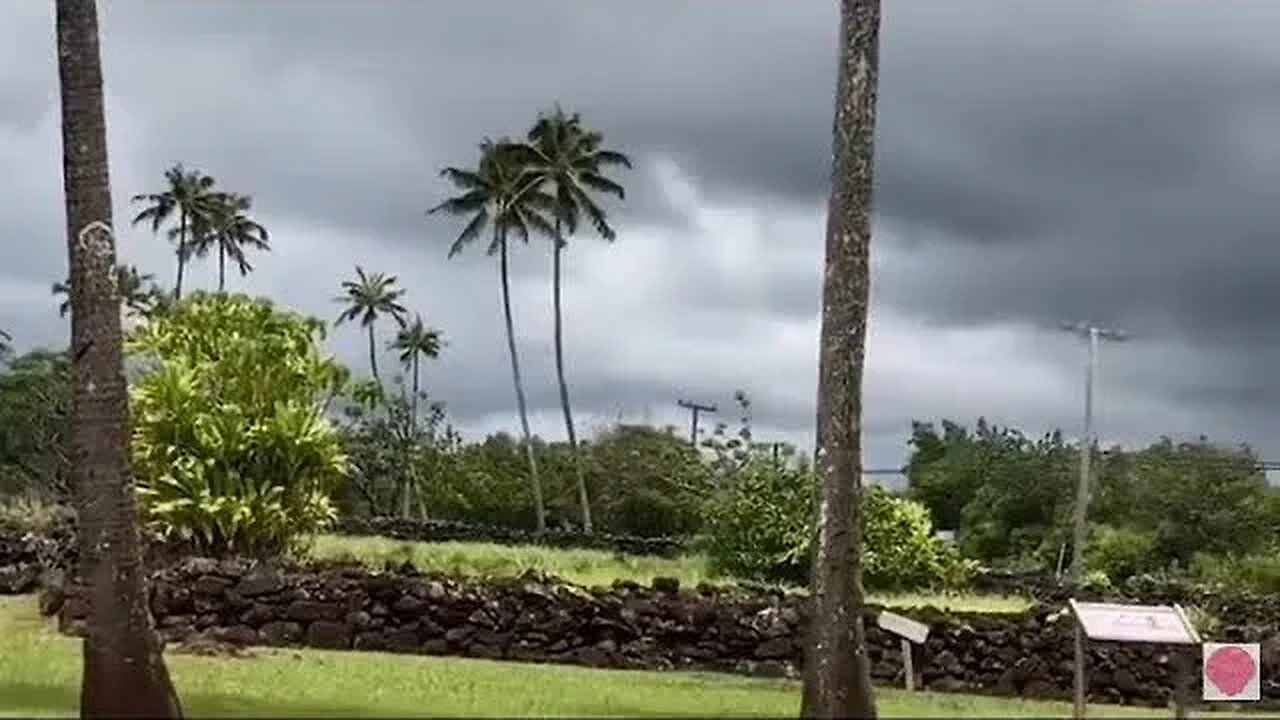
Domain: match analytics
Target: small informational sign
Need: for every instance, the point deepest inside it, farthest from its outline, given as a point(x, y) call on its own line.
point(903, 627)
point(1232, 672)
point(911, 632)
point(1165, 624)
point(1162, 624)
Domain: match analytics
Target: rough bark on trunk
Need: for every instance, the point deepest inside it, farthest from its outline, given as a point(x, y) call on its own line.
point(373, 355)
point(584, 500)
point(182, 253)
point(837, 681)
point(124, 673)
point(534, 481)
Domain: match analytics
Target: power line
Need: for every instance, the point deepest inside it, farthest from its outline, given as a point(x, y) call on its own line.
point(694, 408)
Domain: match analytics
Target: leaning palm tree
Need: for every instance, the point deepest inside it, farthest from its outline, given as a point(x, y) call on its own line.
point(570, 162)
point(123, 673)
point(837, 680)
point(138, 291)
point(369, 297)
point(501, 194)
point(189, 194)
point(232, 231)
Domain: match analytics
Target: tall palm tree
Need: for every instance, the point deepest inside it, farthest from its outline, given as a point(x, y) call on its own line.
point(232, 231)
point(837, 679)
point(138, 292)
point(369, 297)
point(501, 194)
point(415, 341)
point(570, 162)
point(124, 673)
point(191, 195)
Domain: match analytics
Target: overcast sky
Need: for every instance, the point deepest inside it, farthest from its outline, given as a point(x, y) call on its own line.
point(1117, 162)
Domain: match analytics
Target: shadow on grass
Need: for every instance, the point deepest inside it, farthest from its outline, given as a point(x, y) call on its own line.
point(58, 700)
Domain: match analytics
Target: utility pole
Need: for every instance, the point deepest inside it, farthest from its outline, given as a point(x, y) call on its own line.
point(694, 408)
point(1094, 335)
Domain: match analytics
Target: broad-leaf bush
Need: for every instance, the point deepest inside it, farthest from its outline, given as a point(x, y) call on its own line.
point(231, 446)
point(760, 527)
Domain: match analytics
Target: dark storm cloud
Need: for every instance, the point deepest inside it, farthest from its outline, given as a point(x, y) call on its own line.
point(1036, 162)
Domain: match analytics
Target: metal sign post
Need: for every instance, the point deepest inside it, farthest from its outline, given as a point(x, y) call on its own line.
point(910, 632)
point(1162, 624)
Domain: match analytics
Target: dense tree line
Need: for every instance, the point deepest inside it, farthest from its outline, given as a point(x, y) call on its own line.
point(1155, 509)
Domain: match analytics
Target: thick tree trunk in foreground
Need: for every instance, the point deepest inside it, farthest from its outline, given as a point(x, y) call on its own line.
point(837, 679)
point(124, 672)
point(522, 406)
point(584, 500)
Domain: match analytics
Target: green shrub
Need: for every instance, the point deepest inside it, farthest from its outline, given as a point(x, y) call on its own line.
point(1121, 552)
point(761, 528)
point(1258, 572)
point(231, 446)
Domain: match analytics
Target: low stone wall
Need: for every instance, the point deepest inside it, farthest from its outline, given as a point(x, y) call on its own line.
point(448, 530)
point(627, 626)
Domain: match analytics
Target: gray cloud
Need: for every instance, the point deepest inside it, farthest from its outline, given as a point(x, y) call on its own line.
point(1036, 162)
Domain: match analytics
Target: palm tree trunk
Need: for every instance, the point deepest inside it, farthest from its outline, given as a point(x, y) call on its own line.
point(837, 679)
point(124, 673)
point(584, 501)
point(182, 253)
point(413, 421)
point(534, 481)
point(222, 269)
point(373, 356)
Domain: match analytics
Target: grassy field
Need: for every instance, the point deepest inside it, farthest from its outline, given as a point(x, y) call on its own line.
point(40, 671)
point(589, 567)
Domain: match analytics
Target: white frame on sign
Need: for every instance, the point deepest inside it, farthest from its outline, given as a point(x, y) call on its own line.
point(1161, 624)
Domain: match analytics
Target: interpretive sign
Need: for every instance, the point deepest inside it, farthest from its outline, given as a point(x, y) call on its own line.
point(1163, 624)
point(911, 632)
point(1135, 623)
point(1232, 671)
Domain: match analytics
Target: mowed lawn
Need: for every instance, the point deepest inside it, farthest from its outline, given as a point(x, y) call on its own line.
point(590, 567)
point(40, 673)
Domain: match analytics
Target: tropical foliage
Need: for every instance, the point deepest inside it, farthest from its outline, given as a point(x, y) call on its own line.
point(231, 444)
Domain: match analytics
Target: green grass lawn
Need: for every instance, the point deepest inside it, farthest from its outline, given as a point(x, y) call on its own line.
point(40, 674)
point(589, 567)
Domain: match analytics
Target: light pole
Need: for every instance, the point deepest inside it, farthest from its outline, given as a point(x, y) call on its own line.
point(1094, 335)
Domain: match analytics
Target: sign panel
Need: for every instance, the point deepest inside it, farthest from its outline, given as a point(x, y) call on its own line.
point(903, 627)
point(1232, 672)
point(1135, 623)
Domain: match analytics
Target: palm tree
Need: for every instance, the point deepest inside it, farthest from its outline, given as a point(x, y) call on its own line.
point(190, 194)
point(501, 194)
point(124, 673)
point(570, 162)
point(5, 340)
point(369, 297)
point(837, 680)
point(232, 231)
point(138, 292)
point(415, 341)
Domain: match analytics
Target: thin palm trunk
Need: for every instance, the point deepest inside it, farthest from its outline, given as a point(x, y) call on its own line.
point(182, 253)
point(413, 421)
point(373, 356)
point(584, 500)
point(222, 268)
point(124, 673)
point(837, 679)
point(411, 486)
point(534, 481)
